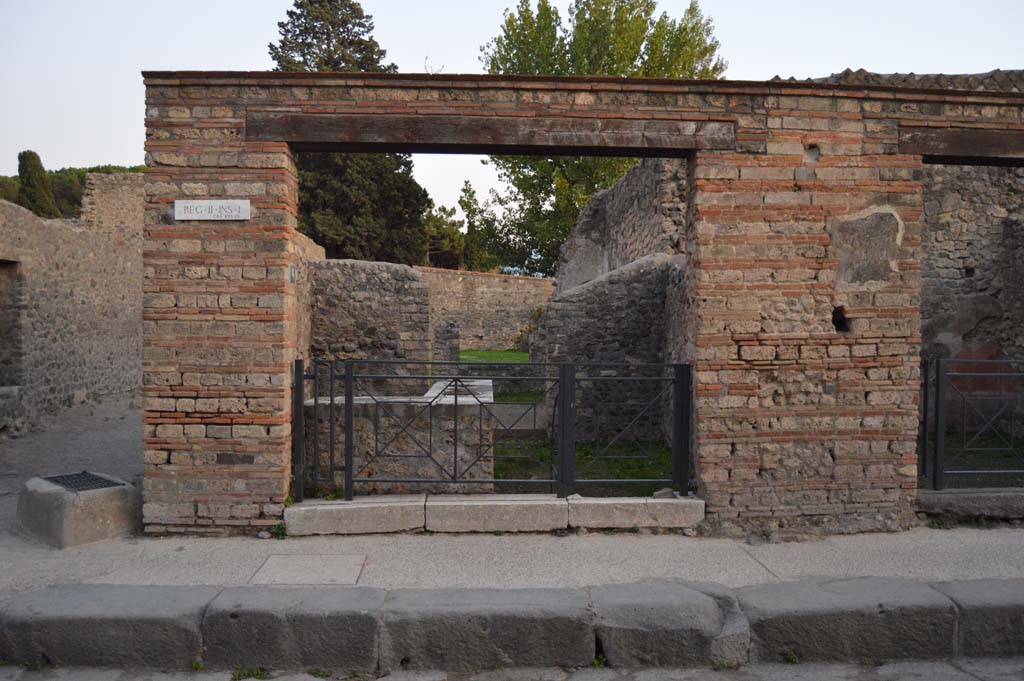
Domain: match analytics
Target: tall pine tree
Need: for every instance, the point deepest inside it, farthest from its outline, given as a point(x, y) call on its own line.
point(35, 191)
point(365, 206)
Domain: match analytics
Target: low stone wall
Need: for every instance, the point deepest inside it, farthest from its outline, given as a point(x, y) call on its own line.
point(369, 310)
point(493, 311)
point(404, 440)
point(71, 302)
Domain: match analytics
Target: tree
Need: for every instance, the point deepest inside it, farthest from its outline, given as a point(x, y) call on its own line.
point(365, 206)
point(447, 243)
point(34, 189)
point(603, 38)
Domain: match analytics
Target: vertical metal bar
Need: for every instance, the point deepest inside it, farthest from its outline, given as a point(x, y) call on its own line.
point(332, 414)
point(316, 426)
point(682, 390)
point(566, 429)
point(298, 432)
point(938, 477)
point(455, 464)
point(350, 420)
point(923, 455)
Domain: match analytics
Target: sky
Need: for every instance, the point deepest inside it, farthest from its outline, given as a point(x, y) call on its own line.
point(71, 89)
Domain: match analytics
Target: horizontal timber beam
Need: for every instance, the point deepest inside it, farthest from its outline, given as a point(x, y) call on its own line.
point(466, 134)
point(964, 145)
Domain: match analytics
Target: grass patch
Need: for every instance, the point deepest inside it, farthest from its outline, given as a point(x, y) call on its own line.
point(523, 459)
point(988, 452)
point(502, 356)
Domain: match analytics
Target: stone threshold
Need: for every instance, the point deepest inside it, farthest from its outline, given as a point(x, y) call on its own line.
point(490, 513)
point(989, 502)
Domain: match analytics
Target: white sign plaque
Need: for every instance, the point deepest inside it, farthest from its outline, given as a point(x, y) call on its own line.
point(229, 209)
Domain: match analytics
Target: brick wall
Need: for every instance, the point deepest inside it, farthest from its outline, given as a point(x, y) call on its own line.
point(492, 310)
point(76, 306)
point(806, 198)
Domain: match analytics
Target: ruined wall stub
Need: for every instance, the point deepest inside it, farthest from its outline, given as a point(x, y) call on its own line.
point(798, 422)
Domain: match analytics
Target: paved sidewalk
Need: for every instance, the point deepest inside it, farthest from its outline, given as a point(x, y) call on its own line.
point(962, 670)
point(104, 437)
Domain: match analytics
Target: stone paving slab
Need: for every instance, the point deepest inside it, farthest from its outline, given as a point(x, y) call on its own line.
point(326, 569)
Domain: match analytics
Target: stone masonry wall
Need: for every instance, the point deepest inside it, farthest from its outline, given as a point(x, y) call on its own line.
point(369, 310)
point(79, 308)
point(973, 297)
point(807, 210)
point(492, 310)
point(640, 215)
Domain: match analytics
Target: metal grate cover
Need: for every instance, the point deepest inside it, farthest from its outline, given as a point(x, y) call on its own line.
point(82, 482)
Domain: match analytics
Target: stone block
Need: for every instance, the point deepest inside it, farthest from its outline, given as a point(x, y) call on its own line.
point(666, 624)
point(60, 517)
point(496, 513)
point(858, 620)
point(629, 512)
point(294, 628)
point(483, 629)
point(991, 616)
point(364, 515)
point(102, 625)
point(972, 503)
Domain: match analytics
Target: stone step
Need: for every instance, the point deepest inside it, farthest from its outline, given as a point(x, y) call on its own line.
point(490, 513)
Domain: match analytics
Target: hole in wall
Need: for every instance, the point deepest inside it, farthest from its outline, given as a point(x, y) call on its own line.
point(839, 320)
point(969, 272)
point(812, 152)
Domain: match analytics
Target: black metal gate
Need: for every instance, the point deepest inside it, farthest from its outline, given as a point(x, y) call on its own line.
point(972, 423)
point(477, 427)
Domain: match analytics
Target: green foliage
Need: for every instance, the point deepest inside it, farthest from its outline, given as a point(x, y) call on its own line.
point(67, 185)
point(603, 38)
point(446, 244)
point(278, 531)
point(328, 35)
point(600, 662)
point(35, 191)
point(484, 250)
point(198, 666)
point(319, 673)
point(249, 673)
point(9, 189)
point(791, 658)
point(363, 206)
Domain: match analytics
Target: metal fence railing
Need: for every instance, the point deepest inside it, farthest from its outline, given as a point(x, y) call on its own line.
point(375, 426)
point(972, 423)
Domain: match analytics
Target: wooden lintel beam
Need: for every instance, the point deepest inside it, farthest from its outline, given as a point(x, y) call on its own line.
point(549, 135)
point(973, 145)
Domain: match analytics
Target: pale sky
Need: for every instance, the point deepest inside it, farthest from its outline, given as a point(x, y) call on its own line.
point(70, 86)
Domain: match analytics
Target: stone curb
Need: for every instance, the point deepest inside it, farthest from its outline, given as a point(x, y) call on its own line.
point(368, 630)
